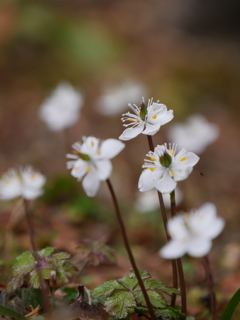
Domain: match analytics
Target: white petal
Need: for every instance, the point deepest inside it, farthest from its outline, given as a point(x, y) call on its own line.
point(110, 148)
point(173, 250)
point(90, 146)
point(176, 228)
point(90, 184)
point(30, 193)
point(151, 129)
point(131, 133)
point(10, 185)
point(148, 179)
point(185, 159)
point(180, 175)
point(104, 169)
point(161, 117)
point(199, 247)
point(79, 169)
point(166, 184)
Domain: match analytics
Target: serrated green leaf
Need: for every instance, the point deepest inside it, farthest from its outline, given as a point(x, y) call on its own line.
point(143, 274)
point(130, 280)
point(154, 284)
point(10, 313)
point(25, 260)
point(35, 279)
point(156, 299)
point(61, 256)
point(46, 251)
point(121, 303)
point(106, 289)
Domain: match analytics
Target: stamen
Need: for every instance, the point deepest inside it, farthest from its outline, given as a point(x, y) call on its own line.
point(154, 117)
point(152, 169)
point(183, 159)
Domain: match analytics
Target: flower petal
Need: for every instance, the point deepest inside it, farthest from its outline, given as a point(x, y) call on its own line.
point(173, 250)
point(185, 159)
point(131, 133)
point(104, 169)
point(79, 169)
point(90, 184)
point(151, 129)
point(110, 148)
point(90, 146)
point(160, 117)
point(148, 179)
point(199, 247)
point(166, 184)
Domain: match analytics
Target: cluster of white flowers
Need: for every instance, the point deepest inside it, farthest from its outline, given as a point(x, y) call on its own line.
point(190, 233)
point(62, 109)
point(25, 182)
point(91, 161)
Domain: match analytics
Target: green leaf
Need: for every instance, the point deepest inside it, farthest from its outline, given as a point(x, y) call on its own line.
point(31, 297)
point(46, 251)
point(10, 313)
point(61, 255)
point(16, 304)
point(155, 298)
point(106, 288)
point(124, 295)
point(71, 294)
point(121, 303)
point(154, 284)
point(232, 304)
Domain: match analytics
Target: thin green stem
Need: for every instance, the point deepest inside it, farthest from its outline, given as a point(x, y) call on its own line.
point(179, 261)
point(164, 218)
point(208, 271)
point(127, 246)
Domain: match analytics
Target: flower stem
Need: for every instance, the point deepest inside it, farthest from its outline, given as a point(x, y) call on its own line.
point(210, 287)
point(179, 261)
point(164, 218)
point(30, 224)
point(127, 246)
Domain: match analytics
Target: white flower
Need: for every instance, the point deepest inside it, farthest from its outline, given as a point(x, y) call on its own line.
point(115, 99)
point(146, 120)
point(192, 232)
point(195, 135)
point(25, 182)
point(164, 168)
point(148, 201)
point(91, 161)
point(62, 108)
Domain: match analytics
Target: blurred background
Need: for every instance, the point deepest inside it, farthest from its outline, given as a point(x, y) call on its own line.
point(183, 53)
